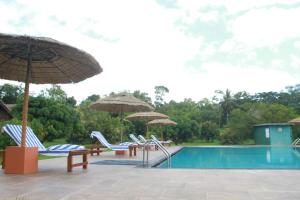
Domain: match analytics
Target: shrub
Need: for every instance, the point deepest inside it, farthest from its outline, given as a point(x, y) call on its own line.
point(209, 131)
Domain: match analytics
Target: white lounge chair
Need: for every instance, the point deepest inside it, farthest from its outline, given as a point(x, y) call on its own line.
point(144, 140)
point(136, 140)
point(165, 143)
point(119, 147)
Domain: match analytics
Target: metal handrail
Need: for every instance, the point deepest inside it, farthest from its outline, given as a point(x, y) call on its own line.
point(296, 142)
point(163, 149)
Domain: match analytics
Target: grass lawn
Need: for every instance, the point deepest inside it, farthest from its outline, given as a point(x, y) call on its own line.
point(43, 157)
point(213, 143)
point(54, 142)
point(200, 143)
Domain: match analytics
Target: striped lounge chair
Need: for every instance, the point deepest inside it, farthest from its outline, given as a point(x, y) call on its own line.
point(142, 143)
point(165, 143)
point(15, 132)
point(70, 150)
point(115, 147)
point(136, 140)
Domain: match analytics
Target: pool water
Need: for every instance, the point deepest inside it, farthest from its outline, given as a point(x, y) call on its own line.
point(236, 158)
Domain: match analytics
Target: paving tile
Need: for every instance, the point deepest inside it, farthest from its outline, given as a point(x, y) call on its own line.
point(228, 196)
point(128, 182)
point(276, 195)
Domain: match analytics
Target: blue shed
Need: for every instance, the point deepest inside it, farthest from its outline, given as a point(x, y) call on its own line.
point(273, 134)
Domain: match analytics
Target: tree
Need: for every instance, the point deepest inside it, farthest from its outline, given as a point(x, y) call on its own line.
point(90, 99)
point(160, 92)
point(227, 104)
point(209, 130)
point(243, 119)
point(143, 96)
point(102, 121)
point(53, 118)
point(238, 128)
point(55, 93)
point(93, 97)
point(241, 97)
point(208, 111)
point(9, 93)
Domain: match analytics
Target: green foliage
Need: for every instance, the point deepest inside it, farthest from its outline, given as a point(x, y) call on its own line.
point(142, 96)
point(160, 92)
point(226, 102)
point(231, 137)
point(242, 120)
point(228, 117)
point(55, 93)
point(272, 113)
point(209, 131)
point(187, 115)
point(51, 117)
point(5, 140)
point(90, 99)
point(10, 93)
point(94, 120)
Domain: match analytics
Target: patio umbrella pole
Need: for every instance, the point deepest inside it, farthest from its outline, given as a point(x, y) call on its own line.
point(122, 116)
point(26, 96)
point(147, 134)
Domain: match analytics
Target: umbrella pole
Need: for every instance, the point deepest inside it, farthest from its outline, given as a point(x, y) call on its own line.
point(122, 126)
point(147, 134)
point(26, 96)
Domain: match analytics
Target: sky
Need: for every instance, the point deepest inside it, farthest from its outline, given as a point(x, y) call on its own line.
point(191, 47)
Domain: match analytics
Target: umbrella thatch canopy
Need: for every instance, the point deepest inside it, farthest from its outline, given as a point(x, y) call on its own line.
point(121, 103)
point(147, 116)
point(42, 60)
point(51, 61)
point(295, 121)
point(162, 122)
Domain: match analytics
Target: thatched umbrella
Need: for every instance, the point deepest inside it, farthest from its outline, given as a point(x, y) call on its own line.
point(42, 60)
point(295, 121)
point(162, 122)
point(147, 116)
point(121, 103)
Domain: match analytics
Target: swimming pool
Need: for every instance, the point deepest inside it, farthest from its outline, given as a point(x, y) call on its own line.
point(236, 158)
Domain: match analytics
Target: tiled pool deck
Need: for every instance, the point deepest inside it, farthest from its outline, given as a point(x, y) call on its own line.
point(122, 182)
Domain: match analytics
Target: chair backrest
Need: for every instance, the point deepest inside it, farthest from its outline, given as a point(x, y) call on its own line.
point(153, 137)
point(135, 139)
point(101, 138)
point(15, 132)
point(142, 138)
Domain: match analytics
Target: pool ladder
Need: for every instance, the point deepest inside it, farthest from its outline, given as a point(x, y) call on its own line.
point(161, 147)
point(296, 142)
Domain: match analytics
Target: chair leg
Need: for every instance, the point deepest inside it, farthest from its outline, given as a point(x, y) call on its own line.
point(3, 158)
point(130, 151)
point(70, 163)
point(84, 160)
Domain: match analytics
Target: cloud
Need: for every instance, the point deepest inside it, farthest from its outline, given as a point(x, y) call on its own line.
point(266, 27)
point(191, 47)
point(168, 3)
